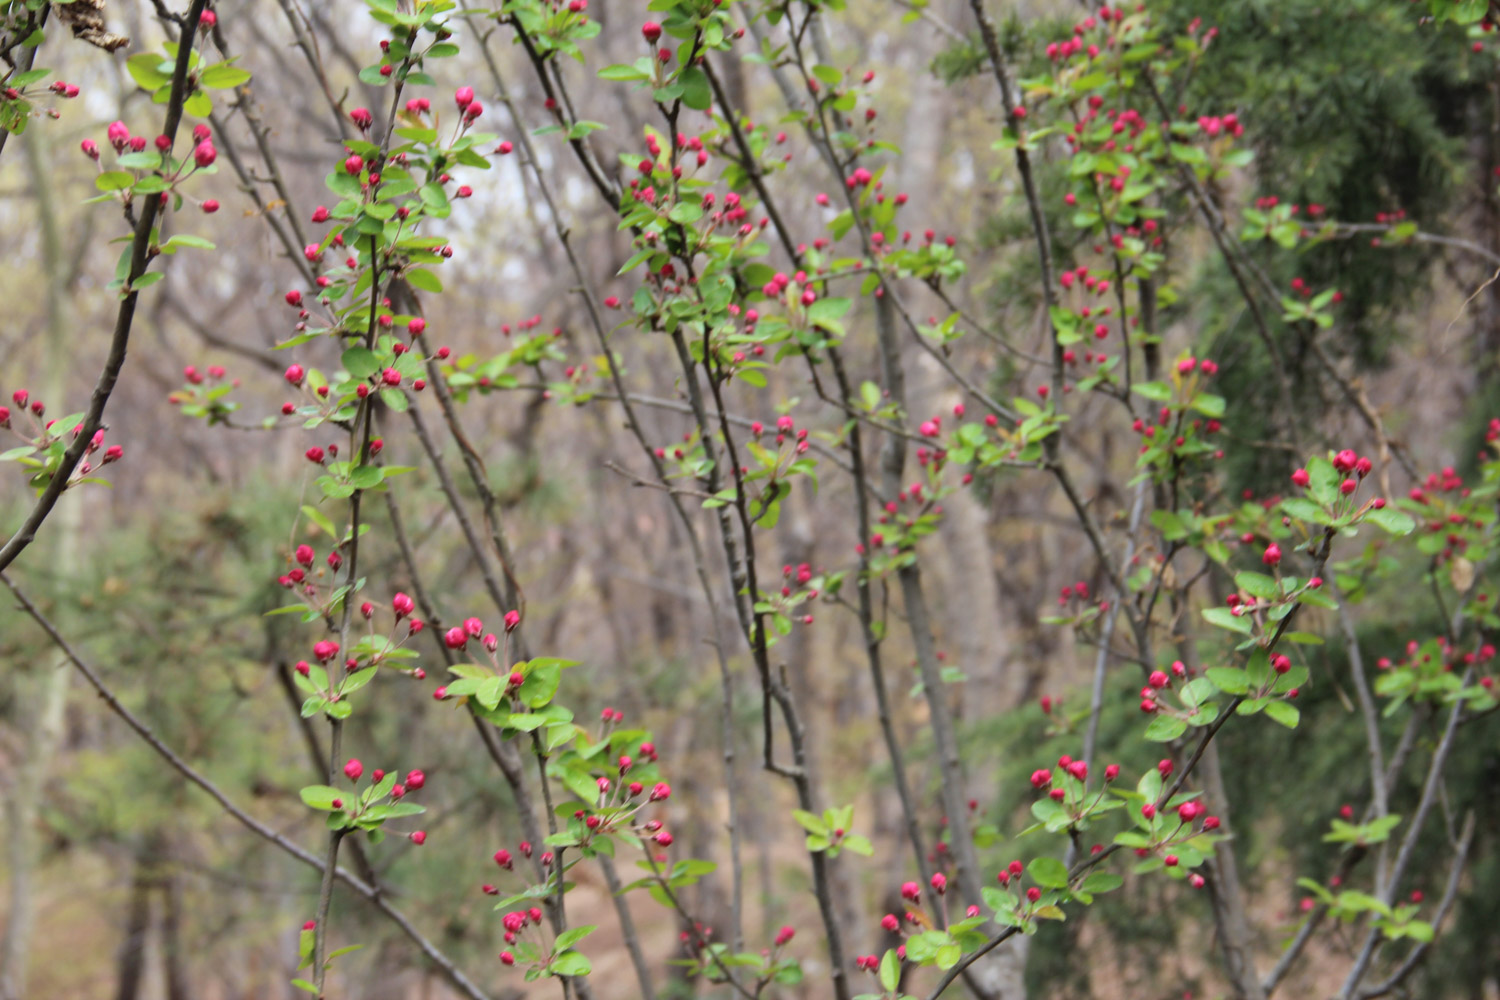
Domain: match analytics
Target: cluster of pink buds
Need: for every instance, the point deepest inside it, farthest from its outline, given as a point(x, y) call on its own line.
point(467, 105)
point(1214, 125)
point(415, 779)
point(1078, 591)
point(1157, 682)
point(516, 923)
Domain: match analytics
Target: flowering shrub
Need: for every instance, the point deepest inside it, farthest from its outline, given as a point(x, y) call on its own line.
point(1219, 602)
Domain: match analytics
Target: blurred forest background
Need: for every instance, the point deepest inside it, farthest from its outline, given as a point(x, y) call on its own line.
point(120, 881)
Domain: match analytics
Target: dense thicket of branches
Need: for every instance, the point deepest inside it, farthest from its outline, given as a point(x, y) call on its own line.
point(792, 449)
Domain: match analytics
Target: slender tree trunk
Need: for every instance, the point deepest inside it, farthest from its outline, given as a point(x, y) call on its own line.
point(171, 938)
point(130, 963)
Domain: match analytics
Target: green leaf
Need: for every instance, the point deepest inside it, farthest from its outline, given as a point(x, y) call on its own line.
point(423, 279)
point(1224, 618)
point(1048, 872)
point(395, 399)
point(811, 823)
point(1209, 405)
point(114, 180)
point(198, 104)
point(621, 72)
point(1230, 680)
point(321, 796)
point(1284, 713)
point(367, 477)
point(859, 845)
point(435, 198)
point(1158, 391)
point(1100, 882)
point(1165, 728)
point(1304, 510)
point(1257, 585)
point(1392, 520)
point(571, 963)
point(360, 362)
point(890, 970)
point(321, 520)
point(572, 936)
point(223, 77)
point(139, 161)
point(145, 69)
point(696, 92)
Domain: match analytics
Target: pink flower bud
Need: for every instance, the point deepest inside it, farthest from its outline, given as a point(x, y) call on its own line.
point(204, 154)
point(353, 769)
